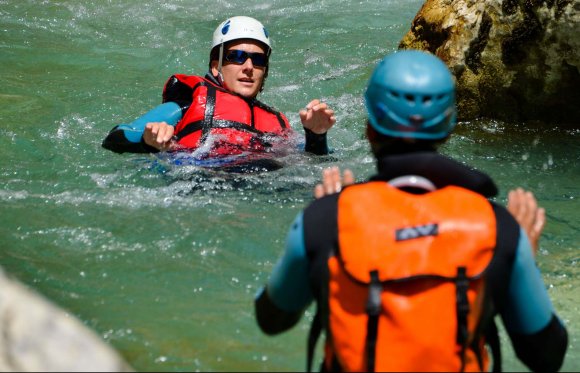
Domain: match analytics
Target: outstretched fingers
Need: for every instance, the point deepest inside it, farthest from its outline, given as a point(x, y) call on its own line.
point(347, 178)
point(333, 182)
point(532, 218)
point(317, 117)
point(535, 228)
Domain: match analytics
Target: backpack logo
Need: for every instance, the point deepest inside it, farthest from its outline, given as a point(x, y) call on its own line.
point(411, 233)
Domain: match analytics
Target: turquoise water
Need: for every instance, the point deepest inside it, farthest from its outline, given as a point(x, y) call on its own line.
point(163, 262)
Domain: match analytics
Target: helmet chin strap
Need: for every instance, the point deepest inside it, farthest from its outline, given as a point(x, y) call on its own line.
point(220, 76)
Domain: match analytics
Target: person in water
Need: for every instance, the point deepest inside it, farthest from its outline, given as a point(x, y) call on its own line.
point(220, 112)
point(409, 269)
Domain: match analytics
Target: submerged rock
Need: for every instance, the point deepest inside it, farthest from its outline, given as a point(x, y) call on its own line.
point(36, 336)
point(514, 60)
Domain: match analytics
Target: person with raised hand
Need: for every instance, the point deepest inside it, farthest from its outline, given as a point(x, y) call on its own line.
point(410, 269)
point(220, 111)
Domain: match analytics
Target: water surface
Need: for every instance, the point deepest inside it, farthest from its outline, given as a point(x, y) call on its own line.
point(163, 262)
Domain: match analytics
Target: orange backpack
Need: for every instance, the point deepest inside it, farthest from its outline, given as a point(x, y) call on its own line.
point(405, 288)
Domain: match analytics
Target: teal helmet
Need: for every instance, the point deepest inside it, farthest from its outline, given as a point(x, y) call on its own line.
point(411, 94)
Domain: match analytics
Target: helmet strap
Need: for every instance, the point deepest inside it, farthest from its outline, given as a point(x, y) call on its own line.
point(220, 62)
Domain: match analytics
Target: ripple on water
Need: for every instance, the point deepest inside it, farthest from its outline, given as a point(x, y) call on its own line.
point(164, 261)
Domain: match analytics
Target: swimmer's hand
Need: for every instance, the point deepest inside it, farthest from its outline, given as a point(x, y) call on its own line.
point(159, 135)
point(317, 117)
point(332, 182)
point(532, 218)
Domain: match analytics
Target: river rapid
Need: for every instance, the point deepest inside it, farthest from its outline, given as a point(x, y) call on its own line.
point(162, 261)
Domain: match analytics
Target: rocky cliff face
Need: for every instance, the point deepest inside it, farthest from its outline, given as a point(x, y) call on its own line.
point(514, 60)
point(36, 336)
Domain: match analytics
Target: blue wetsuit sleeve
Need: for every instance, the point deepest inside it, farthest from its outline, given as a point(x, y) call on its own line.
point(128, 137)
point(288, 285)
point(528, 308)
point(280, 304)
point(538, 336)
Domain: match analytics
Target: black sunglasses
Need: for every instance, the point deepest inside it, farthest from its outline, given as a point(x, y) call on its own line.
point(239, 57)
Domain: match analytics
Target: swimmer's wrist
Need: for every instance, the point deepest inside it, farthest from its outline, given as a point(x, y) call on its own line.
point(316, 143)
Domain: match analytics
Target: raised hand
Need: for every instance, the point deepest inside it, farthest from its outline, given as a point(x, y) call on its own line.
point(532, 218)
point(332, 182)
point(317, 117)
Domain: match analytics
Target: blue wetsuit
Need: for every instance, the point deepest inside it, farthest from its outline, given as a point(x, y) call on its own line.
point(538, 336)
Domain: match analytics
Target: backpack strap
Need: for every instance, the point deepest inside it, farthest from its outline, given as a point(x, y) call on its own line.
point(321, 241)
point(462, 285)
point(313, 335)
point(373, 309)
point(492, 339)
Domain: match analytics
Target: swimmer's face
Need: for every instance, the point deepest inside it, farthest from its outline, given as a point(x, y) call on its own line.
point(244, 78)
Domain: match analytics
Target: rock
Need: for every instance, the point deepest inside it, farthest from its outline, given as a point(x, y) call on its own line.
point(37, 336)
point(514, 60)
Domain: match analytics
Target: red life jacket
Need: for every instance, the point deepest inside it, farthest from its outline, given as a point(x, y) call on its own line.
point(228, 123)
point(406, 288)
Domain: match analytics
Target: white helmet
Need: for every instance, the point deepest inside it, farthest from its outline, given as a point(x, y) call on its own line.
point(241, 27)
point(235, 28)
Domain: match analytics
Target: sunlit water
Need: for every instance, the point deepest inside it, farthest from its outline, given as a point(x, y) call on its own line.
point(162, 261)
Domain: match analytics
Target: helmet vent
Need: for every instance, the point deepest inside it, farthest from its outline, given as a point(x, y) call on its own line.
point(410, 99)
point(427, 100)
